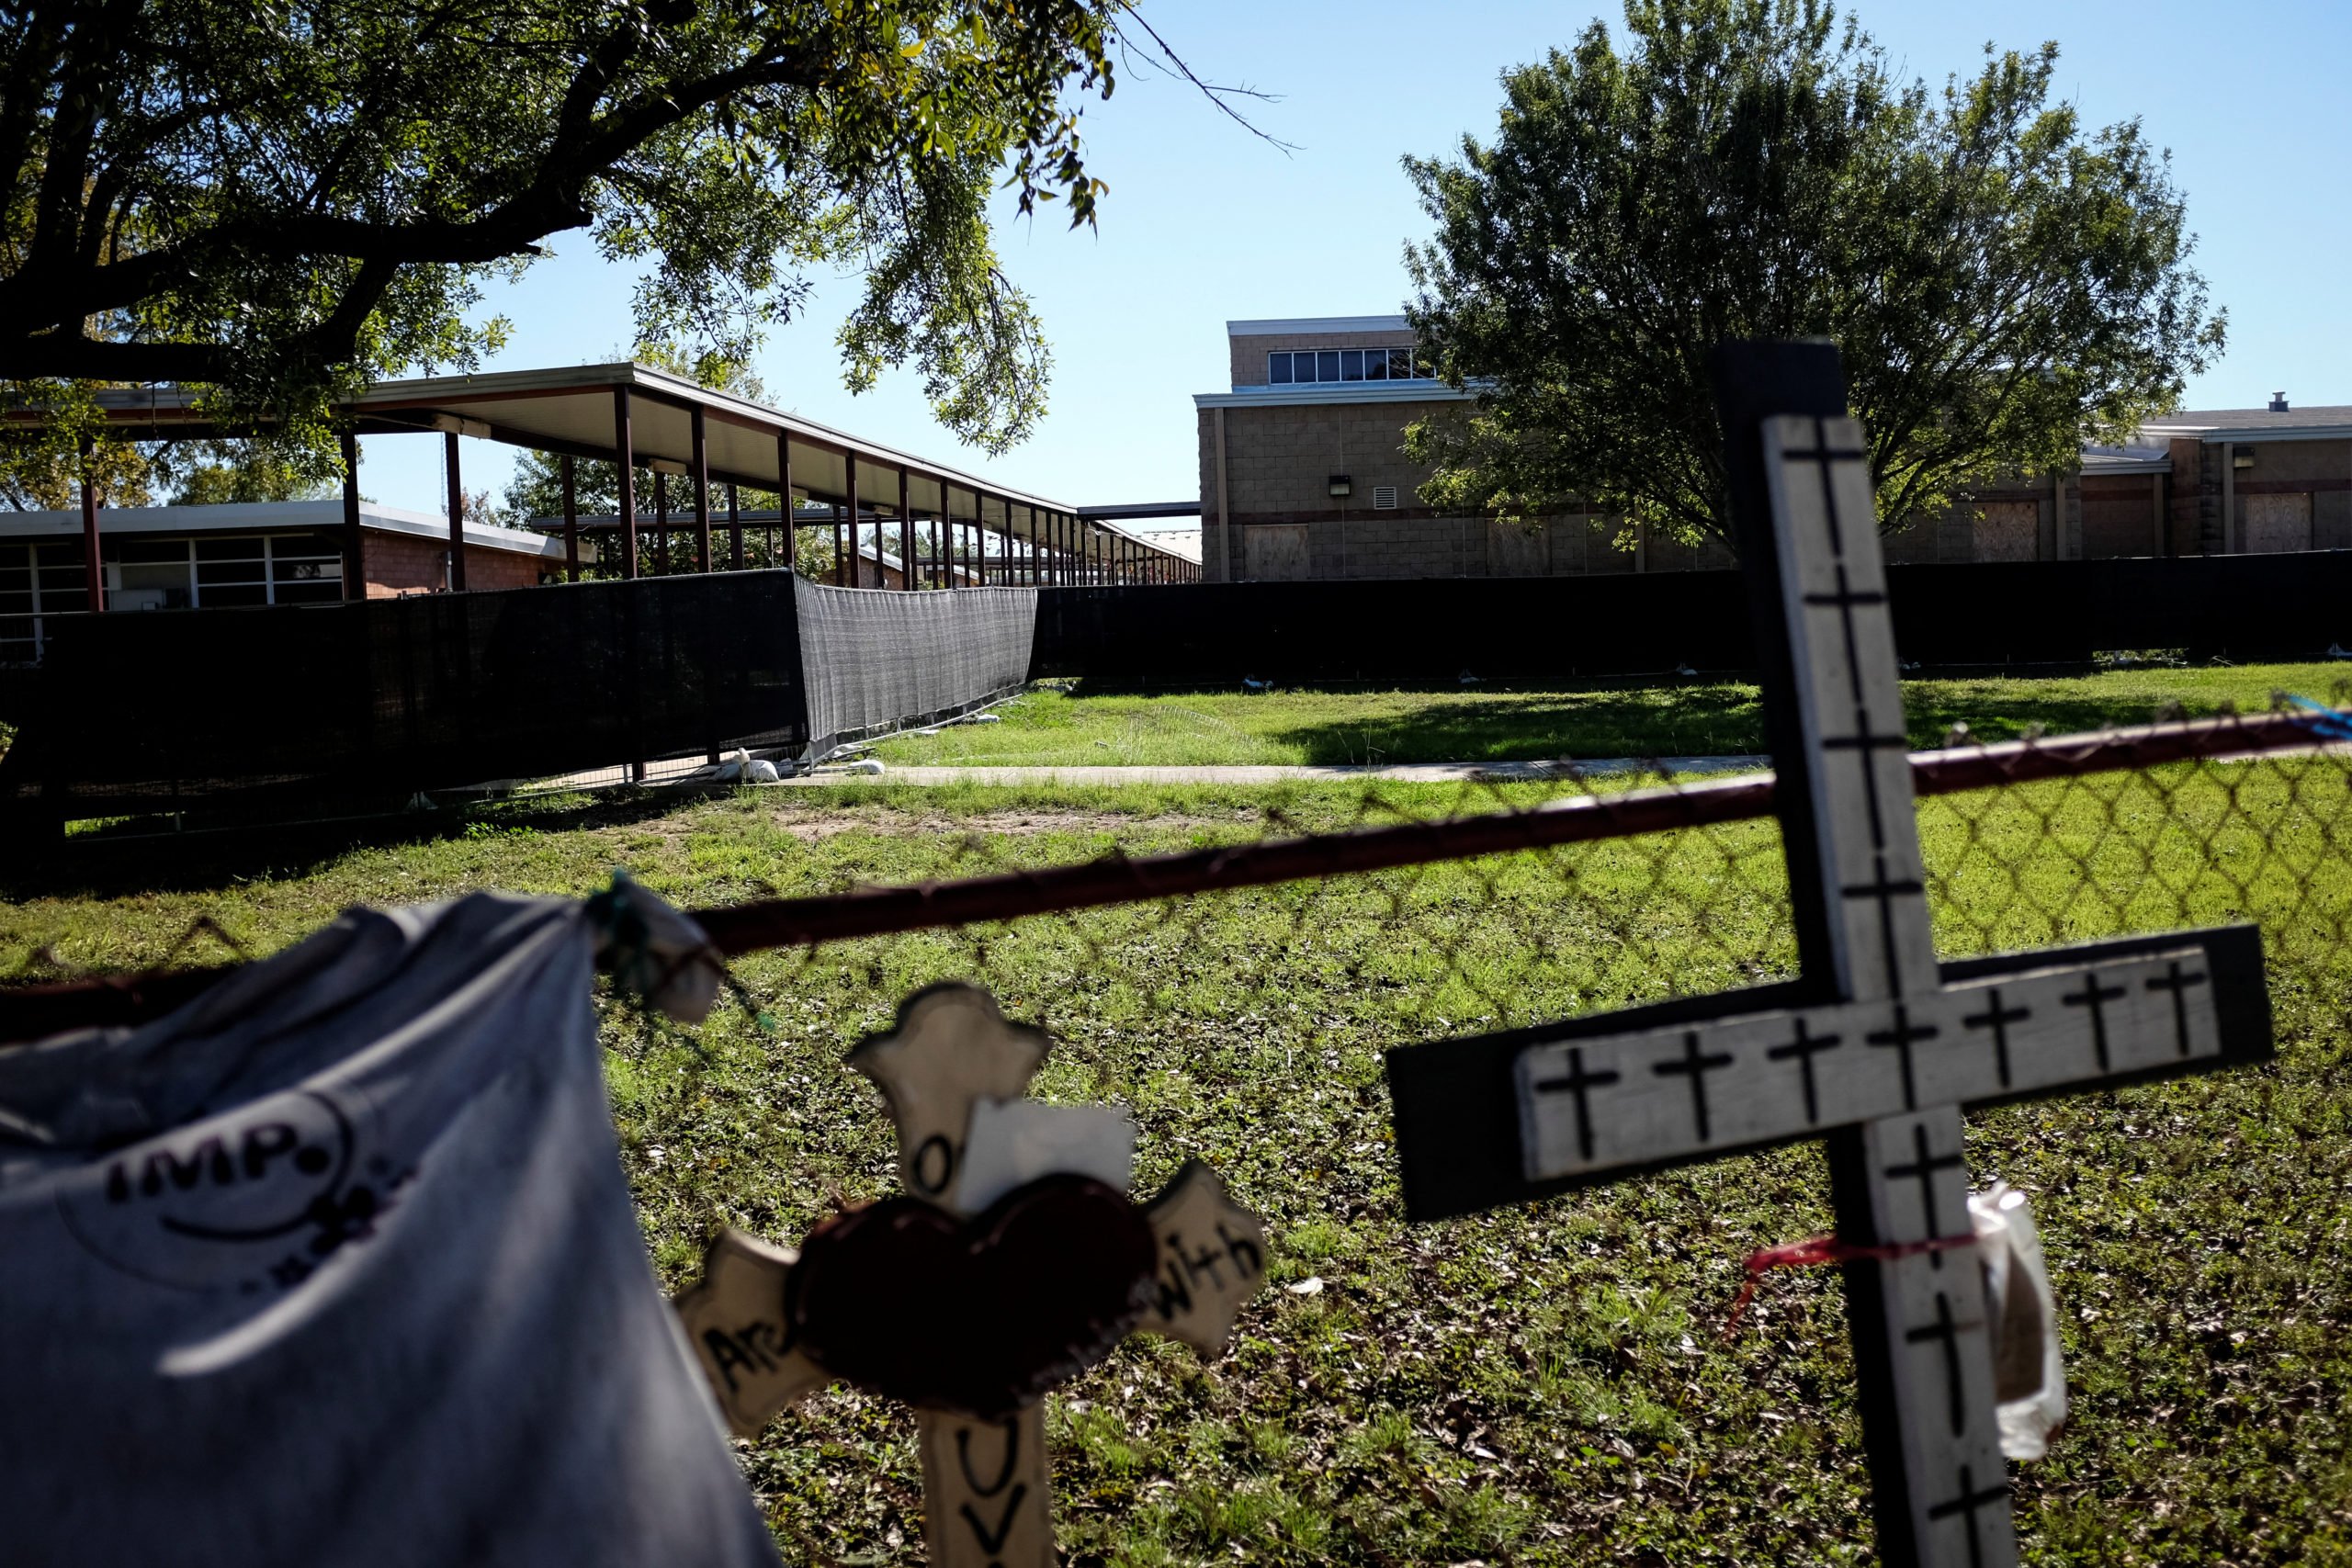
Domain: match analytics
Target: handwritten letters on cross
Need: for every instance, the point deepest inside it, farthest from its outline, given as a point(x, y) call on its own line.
point(1012, 1262)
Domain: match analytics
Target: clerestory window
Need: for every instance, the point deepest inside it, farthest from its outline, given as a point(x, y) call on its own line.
point(1291, 368)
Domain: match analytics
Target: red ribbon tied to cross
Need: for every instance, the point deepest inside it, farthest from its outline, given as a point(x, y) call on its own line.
point(1815, 1251)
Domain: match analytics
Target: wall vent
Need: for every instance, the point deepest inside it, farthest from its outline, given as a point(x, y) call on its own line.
point(1383, 498)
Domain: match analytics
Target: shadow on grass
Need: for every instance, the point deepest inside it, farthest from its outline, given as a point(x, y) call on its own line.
point(2005, 710)
point(1668, 722)
point(144, 856)
point(1504, 722)
point(1705, 718)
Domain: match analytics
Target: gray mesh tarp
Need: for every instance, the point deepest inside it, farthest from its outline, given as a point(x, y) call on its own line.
point(873, 660)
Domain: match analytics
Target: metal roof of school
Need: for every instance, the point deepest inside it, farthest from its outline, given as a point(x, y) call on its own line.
point(2320, 422)
point(274, 517)
point(2127, 461)
point(1332, 392)
point(1289, 326)
point(2254, 418)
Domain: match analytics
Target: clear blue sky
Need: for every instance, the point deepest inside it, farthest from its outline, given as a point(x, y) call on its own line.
point(1204, 223)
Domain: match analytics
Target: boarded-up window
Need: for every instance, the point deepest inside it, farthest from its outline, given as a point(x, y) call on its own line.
point(2276, 523)
point(2009, 530)
point(1278, 552)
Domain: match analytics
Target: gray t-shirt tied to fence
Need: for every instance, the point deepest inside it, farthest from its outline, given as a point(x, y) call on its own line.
point(337, 1264)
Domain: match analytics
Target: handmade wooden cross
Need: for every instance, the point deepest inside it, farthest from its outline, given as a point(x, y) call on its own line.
point(1877, 1048)
point(1011, 1262)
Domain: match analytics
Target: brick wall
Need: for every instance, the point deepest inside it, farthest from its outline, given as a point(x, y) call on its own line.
point(2187, 493)
point(1279, 459)
point(1950, 535)
point(2123, 514)
point(1287, 527)
point(395, 564)
point(2320, 469)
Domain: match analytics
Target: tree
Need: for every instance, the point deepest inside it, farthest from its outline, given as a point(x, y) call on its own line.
point(210, 473)
point(2000, 284)
point(282, 201)
point(47, 474)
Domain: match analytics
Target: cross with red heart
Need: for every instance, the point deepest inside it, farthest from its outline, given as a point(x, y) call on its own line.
point(1013, 1261)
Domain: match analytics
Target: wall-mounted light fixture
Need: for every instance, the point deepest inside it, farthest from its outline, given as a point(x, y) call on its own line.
point(2241, 458)
point(1340, 485)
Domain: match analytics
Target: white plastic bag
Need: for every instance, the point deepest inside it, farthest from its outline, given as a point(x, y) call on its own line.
point(742, 767)
point(2021, 1321)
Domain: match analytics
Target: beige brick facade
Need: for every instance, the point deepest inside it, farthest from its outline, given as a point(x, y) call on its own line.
point(398, 564)
point(1284, 525)
point(2196, 484)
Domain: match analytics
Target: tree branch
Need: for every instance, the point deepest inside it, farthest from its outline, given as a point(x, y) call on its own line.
point(57, 356)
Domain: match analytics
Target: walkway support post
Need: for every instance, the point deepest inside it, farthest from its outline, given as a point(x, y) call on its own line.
point(660, 523)
point(571, 521)
point(701, 459)
point(355, 544)
point(905, 537)
point(856, 562)
point(456, 515)
point(625, 446)
point(784, 504)
point(94, 571)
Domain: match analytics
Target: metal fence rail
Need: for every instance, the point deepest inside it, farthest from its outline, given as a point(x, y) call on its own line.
point(2001, 774)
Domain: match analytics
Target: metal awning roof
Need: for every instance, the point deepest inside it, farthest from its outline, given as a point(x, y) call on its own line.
point(571, 411)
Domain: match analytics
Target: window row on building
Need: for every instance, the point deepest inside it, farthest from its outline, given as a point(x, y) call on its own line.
point(1295, 366)
point(37, 581)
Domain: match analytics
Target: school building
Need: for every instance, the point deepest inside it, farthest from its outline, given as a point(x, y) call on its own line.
point(1302, 477)
point(291, 552)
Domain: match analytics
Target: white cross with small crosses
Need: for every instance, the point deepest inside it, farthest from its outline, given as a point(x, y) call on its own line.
point(1878, 1047)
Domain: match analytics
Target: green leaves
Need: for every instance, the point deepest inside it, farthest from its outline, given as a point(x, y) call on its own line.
point(287, 200)
point(2001, 285)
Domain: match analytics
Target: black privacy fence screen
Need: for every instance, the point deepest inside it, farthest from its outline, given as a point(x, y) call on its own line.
point(362, 706)
point(1519, 629)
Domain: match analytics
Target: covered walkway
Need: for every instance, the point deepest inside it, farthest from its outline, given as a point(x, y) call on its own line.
point(955, 528)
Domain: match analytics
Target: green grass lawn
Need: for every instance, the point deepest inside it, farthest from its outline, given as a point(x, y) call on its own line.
point(1070, 725)
point(1538, 1386)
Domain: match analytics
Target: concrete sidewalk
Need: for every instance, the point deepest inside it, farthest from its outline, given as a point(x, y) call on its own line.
point(1250, 774)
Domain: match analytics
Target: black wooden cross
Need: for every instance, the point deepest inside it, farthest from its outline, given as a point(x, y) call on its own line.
point(1510, 1118)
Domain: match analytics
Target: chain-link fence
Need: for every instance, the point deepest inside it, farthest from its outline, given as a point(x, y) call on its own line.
point(1542, 1384)
point(1546, 1384)
point(1516, 894)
